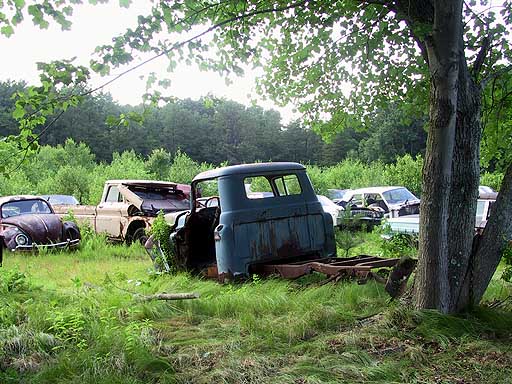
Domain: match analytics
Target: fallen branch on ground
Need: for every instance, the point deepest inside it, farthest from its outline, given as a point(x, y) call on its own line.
point(169, 296)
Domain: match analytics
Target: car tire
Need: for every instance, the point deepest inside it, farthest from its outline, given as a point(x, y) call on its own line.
point(139, 236)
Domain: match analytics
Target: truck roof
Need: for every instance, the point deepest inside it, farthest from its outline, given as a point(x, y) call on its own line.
point(254, 168)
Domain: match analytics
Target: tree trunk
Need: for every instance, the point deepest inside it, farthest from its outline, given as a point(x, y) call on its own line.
point(464, 187)
point(443, 50)
point(497, 234)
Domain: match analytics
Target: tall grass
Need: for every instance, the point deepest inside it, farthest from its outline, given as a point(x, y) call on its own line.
point(77, 317)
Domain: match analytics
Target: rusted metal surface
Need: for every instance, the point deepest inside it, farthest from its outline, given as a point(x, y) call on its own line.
point(359, 266)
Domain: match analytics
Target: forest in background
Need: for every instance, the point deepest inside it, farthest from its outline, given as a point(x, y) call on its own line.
point(185, 137)
point(72, 168)
point(217, 130)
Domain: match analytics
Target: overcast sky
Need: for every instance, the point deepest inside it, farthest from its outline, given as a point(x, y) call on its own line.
point(96, 25)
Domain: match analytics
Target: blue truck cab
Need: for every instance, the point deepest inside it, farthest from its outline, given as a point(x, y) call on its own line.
point(277, 218)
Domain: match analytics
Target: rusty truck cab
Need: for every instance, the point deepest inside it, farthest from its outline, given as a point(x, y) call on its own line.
point(280, 221)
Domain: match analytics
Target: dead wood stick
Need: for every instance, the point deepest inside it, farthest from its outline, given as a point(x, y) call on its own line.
point(170, 296)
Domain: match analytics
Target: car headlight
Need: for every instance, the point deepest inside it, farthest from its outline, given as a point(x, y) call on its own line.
point(21, 239)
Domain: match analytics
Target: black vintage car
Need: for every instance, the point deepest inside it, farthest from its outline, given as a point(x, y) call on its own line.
point(29, 223)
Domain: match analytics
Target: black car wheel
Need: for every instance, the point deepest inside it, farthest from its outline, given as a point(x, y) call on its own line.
point(139, 236)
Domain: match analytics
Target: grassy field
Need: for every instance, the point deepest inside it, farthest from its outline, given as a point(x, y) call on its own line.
point(78, 318)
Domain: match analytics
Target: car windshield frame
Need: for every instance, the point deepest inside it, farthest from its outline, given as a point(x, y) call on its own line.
point(25, 207)
point(398, 195)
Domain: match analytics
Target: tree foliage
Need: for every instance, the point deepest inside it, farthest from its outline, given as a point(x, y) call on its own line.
point(222, 131)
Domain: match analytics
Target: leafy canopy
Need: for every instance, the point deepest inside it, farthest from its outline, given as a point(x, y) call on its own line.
point(338, 61)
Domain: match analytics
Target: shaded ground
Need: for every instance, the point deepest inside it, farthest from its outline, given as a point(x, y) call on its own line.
point(75, 318)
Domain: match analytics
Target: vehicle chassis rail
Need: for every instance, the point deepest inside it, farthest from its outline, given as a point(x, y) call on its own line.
point(359, 267)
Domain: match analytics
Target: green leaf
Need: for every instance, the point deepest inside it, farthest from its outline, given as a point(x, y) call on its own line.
point(7, 30)
point(18, 112)
point(125, 3)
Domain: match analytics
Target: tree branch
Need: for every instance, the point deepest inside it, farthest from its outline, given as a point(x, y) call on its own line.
point(495, 75)
point(480, 58)
point(197, 36)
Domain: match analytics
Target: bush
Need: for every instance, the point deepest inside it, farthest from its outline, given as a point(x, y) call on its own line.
point(406, 172)
point(183, 169)
point(507, 258)
point(492, 180)
point(161, 232)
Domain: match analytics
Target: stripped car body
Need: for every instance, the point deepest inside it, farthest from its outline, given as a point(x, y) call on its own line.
point(129, 207)
point(29, 222)
point(410, 224)
point(392, 201)
point(244, 230)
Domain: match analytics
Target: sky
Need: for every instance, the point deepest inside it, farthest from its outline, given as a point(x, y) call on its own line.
point(96, 25)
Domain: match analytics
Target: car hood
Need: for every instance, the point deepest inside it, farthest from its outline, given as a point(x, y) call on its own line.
point(41, 228)
point(152, 207)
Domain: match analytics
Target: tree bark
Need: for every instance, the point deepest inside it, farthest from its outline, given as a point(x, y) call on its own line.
point(464, 186)
point(443, 50)
point(497, 234)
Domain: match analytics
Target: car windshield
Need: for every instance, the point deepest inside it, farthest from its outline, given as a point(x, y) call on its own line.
point(398, 195)
point(22, 207)
point(61, 199)
point(336, 193)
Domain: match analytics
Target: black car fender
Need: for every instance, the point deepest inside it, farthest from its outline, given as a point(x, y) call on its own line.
point(70, 231)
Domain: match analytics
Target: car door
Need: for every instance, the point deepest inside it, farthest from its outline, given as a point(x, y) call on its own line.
point(109, 213)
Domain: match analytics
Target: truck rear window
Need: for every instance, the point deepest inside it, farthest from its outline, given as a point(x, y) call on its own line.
point(261, 187)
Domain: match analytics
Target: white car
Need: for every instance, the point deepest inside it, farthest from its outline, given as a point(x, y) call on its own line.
point(410, 224)
point(331, 208)
point(393, 201)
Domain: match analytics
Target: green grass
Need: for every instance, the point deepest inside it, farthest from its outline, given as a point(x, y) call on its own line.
point(76, 318)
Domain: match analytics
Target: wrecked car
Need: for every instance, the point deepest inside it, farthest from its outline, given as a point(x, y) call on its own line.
point(29, 222)
point(128, 207)
point(228, 236)
point(391, 201)
point(410, 224)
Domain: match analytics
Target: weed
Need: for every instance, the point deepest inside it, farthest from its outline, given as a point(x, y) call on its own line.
point(13, 281)
point(69, 327)
point(346, 240)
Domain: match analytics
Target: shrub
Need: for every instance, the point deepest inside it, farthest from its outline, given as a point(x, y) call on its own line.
point(492, 180)
point(161, 231)
point(183, 169)
point(507, 258)
point(158, 164)
point(13, 281)
point(406, 171)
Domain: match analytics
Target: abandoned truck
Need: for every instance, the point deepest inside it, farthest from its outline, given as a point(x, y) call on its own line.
point(228, 236)
point(29, 223)
point(129, 207)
